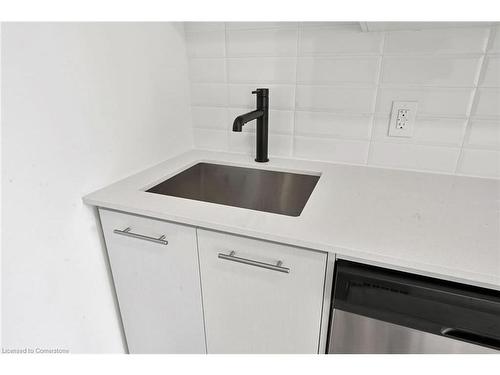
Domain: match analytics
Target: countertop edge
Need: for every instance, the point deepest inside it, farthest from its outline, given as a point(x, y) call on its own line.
point(480, 280)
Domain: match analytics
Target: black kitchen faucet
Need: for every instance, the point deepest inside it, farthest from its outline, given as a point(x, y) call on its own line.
point(261, 114)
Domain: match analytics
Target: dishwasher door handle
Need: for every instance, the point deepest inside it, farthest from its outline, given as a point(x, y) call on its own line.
point(471, 337)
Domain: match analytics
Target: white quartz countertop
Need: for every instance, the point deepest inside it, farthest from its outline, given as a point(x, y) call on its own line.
point(432, 224)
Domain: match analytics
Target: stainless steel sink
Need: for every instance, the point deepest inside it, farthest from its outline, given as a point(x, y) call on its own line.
point(256, 189)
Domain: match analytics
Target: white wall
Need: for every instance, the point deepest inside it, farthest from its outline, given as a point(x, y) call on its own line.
point(332, 86)
point(83, 105)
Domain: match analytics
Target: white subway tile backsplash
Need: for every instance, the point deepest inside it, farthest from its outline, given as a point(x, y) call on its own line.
point(280, 122)
point(332, 125)
point(413, 156)
point(210, 139)
point(204, 70)
point(495, 40)
point(488, 103)
point(430, 71)
point(335, 150)
point(332, 88)
point(279, 145)
point(210, 117)
point(208, 94)
point(267, 69)
point(206, 44)
point(431, 131)
point(242, 142)
point(431, 101)
point(484, 134)
point(440, 131)
point(480, 163)
point(343, 26)
point(463, 40)
point(203, 26)
point(324, 41)
point(267, 42)
point(423, 25)
point(260, 25)
point(335, 99)
point(321, 70)
point(280, 96)
point(491, 76)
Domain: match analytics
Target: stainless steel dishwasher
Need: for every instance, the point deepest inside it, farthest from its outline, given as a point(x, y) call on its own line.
point(376, 310)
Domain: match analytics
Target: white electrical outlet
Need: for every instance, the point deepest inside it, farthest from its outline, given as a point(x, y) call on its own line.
point(402, 119)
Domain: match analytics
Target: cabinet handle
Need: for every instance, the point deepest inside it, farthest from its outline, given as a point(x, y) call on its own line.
point(275, 267)
point(127, 232)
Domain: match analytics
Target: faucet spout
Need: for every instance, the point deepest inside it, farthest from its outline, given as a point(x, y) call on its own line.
point(247, 117)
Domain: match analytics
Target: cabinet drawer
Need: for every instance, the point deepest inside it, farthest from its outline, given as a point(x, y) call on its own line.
point(252, 308)
point(156, 274)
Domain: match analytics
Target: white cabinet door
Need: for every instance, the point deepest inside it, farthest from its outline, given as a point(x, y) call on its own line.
point(249, 309)
point(158, 285)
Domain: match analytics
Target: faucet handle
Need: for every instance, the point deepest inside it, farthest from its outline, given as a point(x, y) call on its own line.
point(263, 92)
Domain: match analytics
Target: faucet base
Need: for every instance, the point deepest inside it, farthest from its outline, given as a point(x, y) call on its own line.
point(261, 160)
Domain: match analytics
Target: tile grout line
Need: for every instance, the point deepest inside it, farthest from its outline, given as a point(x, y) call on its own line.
point(353, 55)
point(226, 87)
point(367, 115)
point(375, 99)
point(190, 84)
point(474, 98)
point(297, 44)
point(428, 116)
point(350, 85)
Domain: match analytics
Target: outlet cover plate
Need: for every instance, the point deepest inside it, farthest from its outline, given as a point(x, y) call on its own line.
point(402, 119)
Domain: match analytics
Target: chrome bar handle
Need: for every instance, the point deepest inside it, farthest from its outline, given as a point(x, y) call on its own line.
point(274, 267)
point(127, 232)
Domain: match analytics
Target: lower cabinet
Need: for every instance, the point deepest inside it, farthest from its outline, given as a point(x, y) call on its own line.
point(251, 303)
point(156, 275)
point(255, 296)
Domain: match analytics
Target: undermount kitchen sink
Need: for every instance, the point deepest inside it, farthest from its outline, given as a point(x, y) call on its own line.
point(256, 189)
